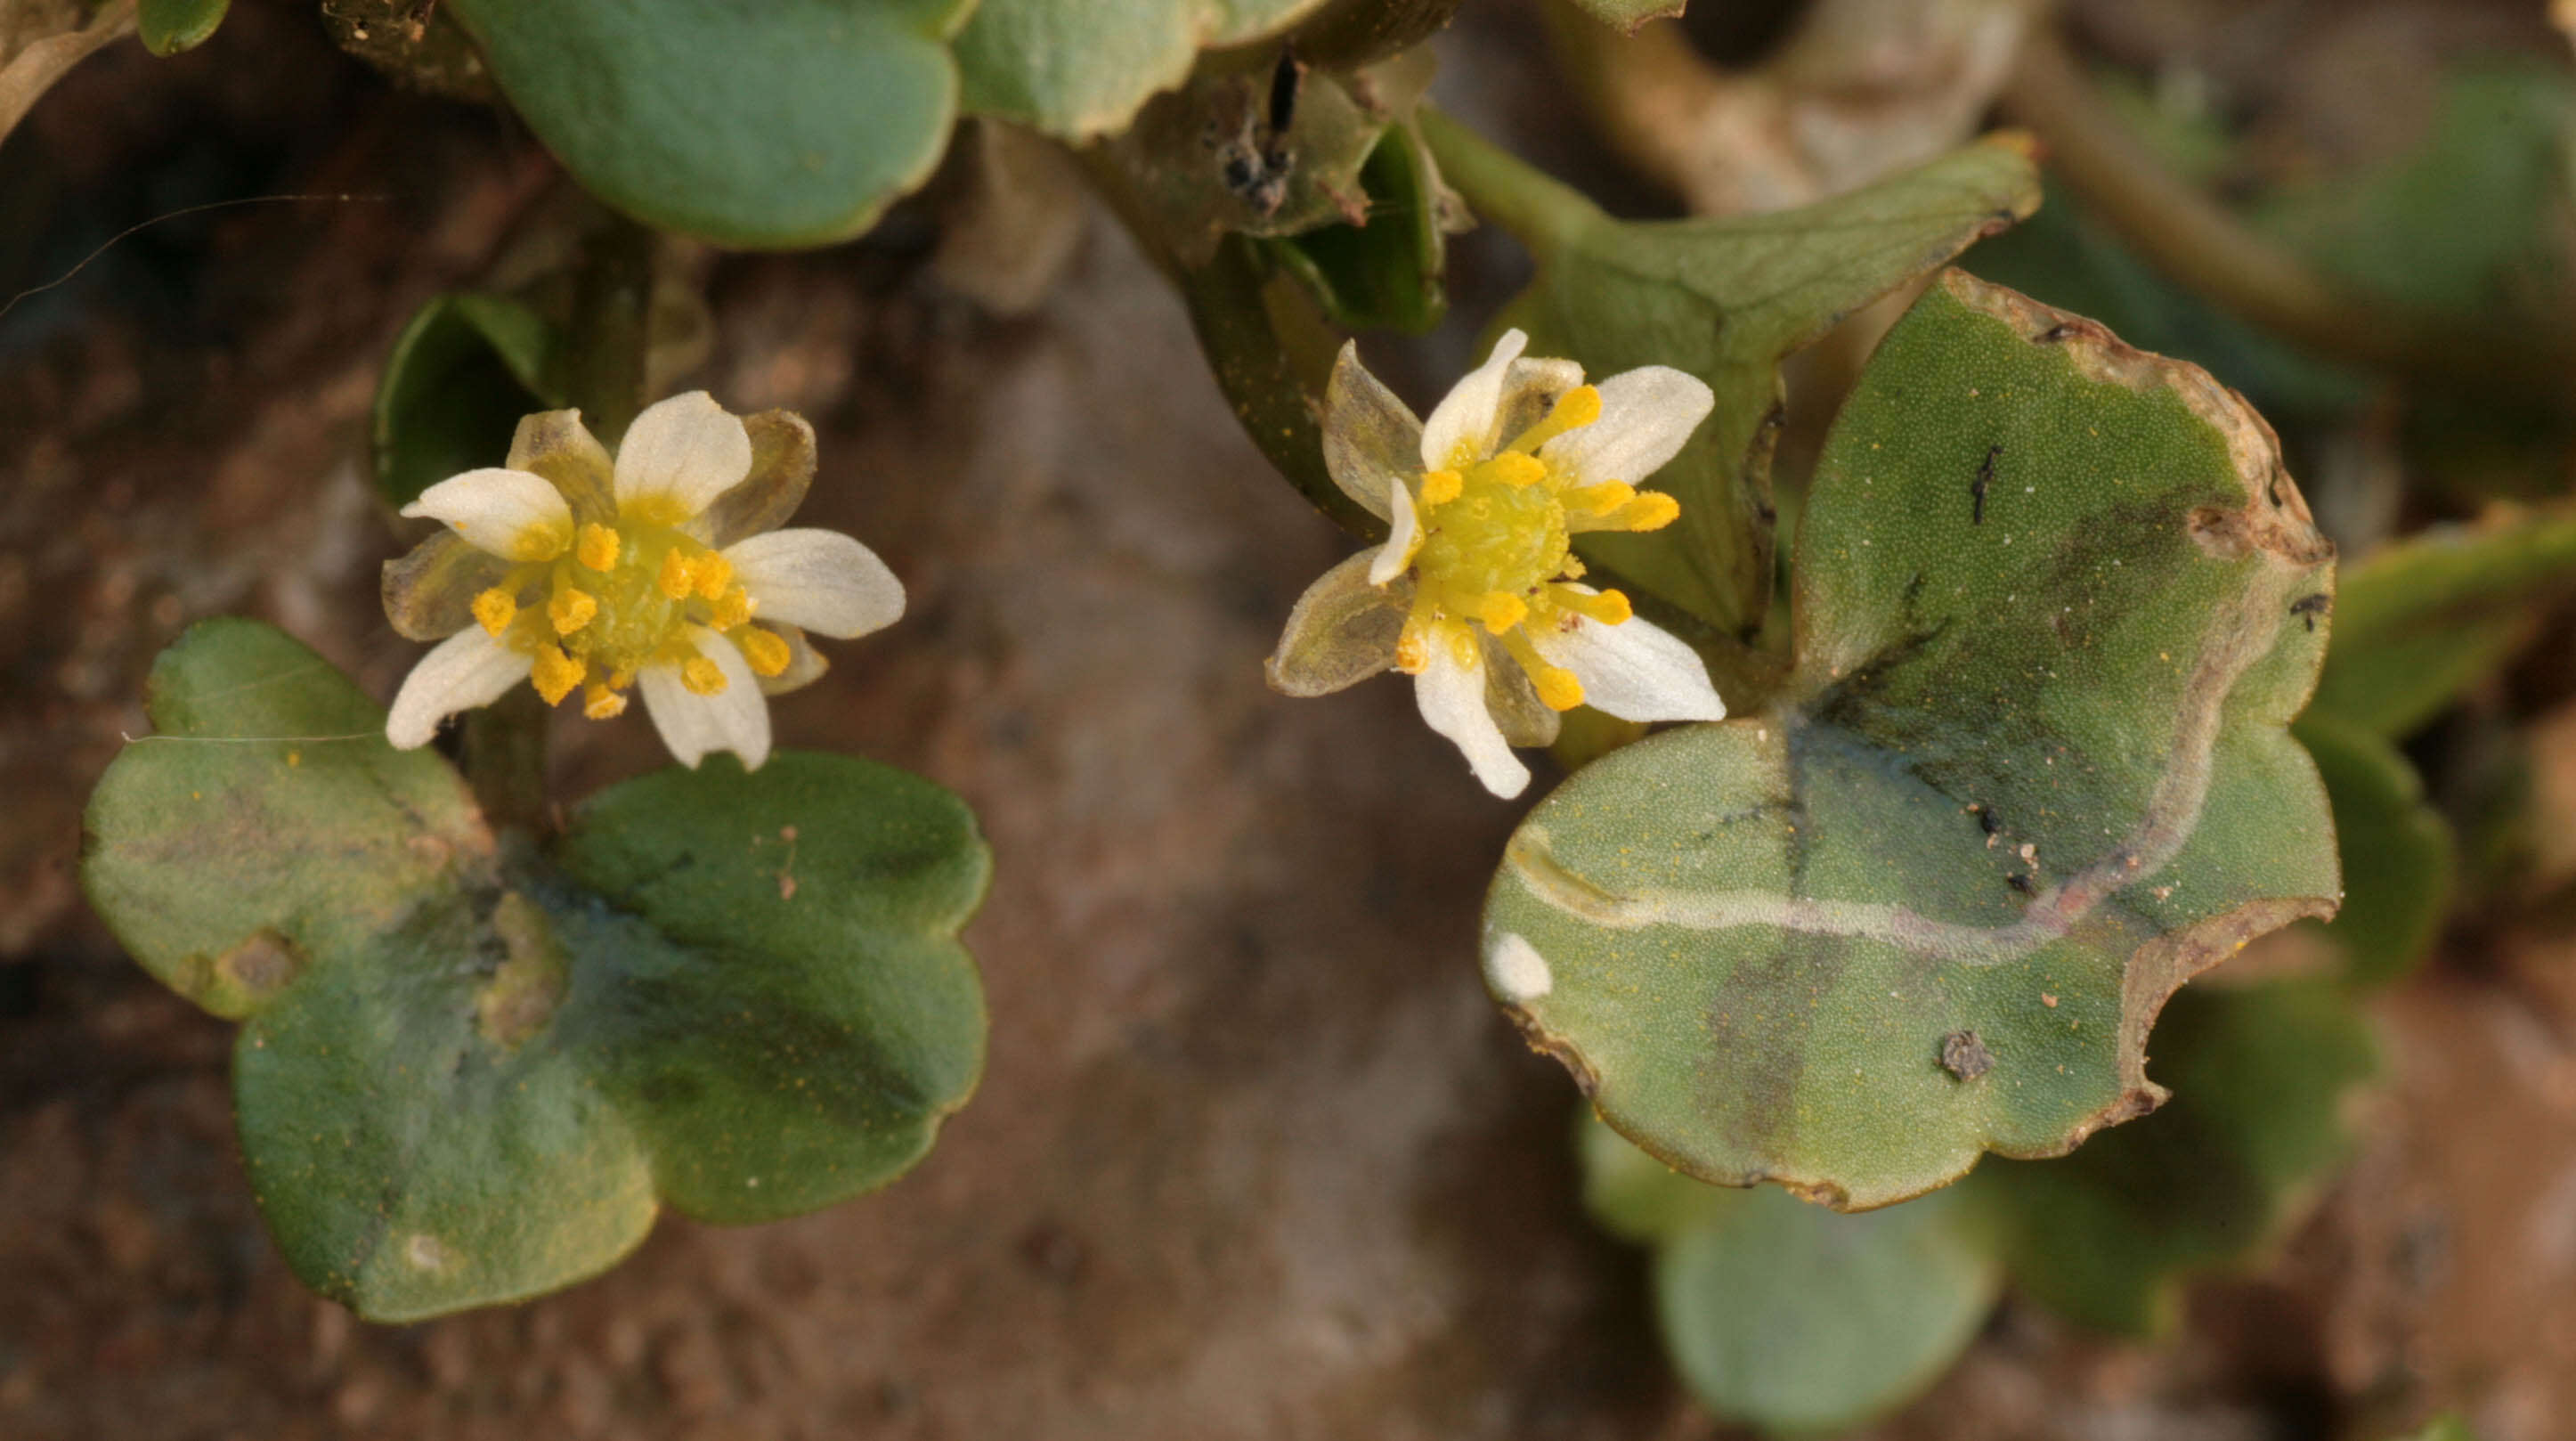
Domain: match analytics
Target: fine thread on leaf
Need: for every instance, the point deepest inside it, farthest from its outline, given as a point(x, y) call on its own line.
point(2236, 640)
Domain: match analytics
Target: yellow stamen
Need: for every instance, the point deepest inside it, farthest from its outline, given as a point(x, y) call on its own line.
point(601, 703)
point(679, 577)
point(1515, 469)
point(1600, 499)
point(1557, 687)
point(571, 609)
point(541, 542)
point(731, 609)
point(714, 574)
point(494, 610)
point(1610, 607)
point(1651, 511)
point(1439, 487)
point(597, 547)
point(702, 676)
point(1502, 610)
point(1573, 410)
point(555, 673)
point(767, 651)
point(620, 679)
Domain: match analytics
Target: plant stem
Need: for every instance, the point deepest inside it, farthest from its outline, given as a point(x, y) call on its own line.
point(1541, 212)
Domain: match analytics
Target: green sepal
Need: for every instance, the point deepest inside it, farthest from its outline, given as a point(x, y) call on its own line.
point(472, 1069)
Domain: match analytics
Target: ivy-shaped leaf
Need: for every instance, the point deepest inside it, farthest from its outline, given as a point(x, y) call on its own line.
point(1081, 70)
point(460, 375)
point(791, 122)
point(2031, 774)
point(1726, 300)
point(2106, 1236)
point(470, 1071)
point(1786, 1315)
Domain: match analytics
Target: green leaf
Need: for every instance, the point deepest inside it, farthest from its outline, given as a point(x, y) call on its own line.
point(1627, 15)
point(1726, 300)
point(2108, 1235)
point(170, 26)
point(2031, 774)
point(2400, 863)
point(789, 123)
point(460, 376)
point(2423, 620)
point(1786, 1315)
point(1080, 70)
point(471, 1072)
point(1389, 272)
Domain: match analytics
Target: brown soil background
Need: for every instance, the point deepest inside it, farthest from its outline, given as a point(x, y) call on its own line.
point(1254, 1157)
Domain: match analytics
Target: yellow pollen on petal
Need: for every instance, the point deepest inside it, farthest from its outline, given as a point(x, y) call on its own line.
point(1413, 647)
point(679, 577)
point(1573, 410)
point(598, 547)
point(1557, 687)
point(601, 703)
point(571, 609)
point(702, 676)
point(767, 651)
point(1439, 487)
point(555, 673)
point(541, 542)
point(494, 610)
point(1502, 610)
point(1515, 469)
point(714, 574)
point(731, 609)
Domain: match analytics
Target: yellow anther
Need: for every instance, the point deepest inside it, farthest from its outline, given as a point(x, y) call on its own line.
point(702, 676)
point(1557, 687)
point(1610, 607)
point(679, 577)
point(571, 609)
point(1651, 511)
point(601, 703)
point(620, 679)
point(714, 574)
point(767, 651)
point(1600, 499)
point(597, 547)
point(494, 610)
point(1516, 470)
point(1439, 487)
point(1502, 610)
point(555, 673)
point(541, 542)
point(1573, 410)
point(731, 609)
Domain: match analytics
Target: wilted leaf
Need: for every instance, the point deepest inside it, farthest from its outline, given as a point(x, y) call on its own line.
point(2107, 1236)
point(1080, 70)
point(1726, 300)
point(789, 123)
point(471, 1072)
point(2032, 773)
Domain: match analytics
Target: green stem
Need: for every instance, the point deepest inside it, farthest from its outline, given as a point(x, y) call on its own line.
point(1541, 212)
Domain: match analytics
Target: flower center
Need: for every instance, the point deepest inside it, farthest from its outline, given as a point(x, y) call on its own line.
point(621, 599)
point(1496, 550)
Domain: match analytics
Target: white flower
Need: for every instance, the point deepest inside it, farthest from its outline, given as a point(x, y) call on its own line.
point(664, 571)
point(1474, 593)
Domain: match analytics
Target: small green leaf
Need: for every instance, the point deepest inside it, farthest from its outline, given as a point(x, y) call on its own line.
point(2421, 621)
point(2400, 863)
point(1788, 1316)
point(1726, 300)
point(2031, 774)
point(788, 123)
point(170, 26)
point(1080, 70)
point(1386, 274)
point(1627, 15)
point(472, 1071)
point(460, 376)
point(2107, 1235)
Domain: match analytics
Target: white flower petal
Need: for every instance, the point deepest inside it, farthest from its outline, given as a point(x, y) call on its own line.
point(1460, 430)
point(1451, 694)
point(509, 513)
point(734, 719)
point(821, 580)
point(1632, 670)
point(1403, 536)
point(680, 454)
point(468, 669)
point(1646, 416)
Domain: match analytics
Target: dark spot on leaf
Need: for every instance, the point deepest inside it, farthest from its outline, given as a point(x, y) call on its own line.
point(261, 966)
point(1964, 1056)
point(2309, 607)
point(1985, 477)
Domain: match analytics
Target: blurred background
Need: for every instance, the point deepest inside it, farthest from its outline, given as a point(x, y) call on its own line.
point(1254, 1156)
